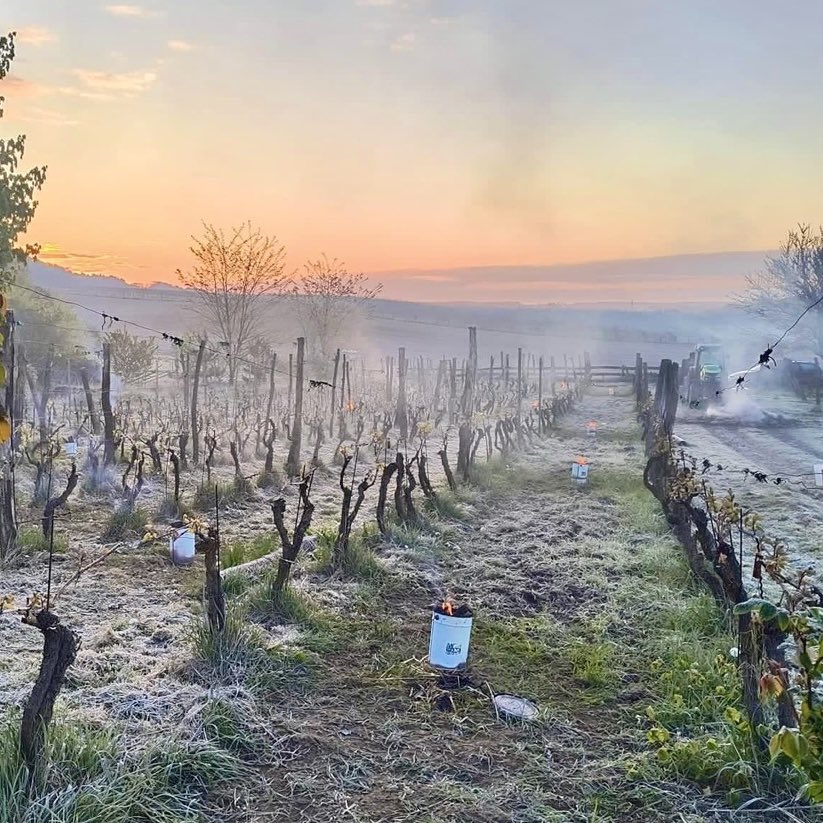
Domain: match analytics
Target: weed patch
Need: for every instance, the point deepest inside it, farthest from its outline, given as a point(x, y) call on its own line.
point(125, 522)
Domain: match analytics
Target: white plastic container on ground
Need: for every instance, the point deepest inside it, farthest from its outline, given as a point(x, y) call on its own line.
point(181, 547)
point(580, 473)
point(449, 641)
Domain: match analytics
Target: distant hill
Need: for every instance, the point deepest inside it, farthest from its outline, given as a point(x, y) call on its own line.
point(610, 329)
point(678, 279)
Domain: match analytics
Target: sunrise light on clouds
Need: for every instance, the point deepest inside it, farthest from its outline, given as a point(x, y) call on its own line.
point(416, 135)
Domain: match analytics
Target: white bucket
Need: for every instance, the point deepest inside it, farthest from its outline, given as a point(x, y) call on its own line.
point(71, 449)
point(449, 641)
point(181, 548)
point(580, 473)
point(818, 475)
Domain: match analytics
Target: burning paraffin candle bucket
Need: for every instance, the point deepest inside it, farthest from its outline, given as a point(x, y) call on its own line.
point(181, 547)
point(580, 471)
point(591, 428)
point(451, 630)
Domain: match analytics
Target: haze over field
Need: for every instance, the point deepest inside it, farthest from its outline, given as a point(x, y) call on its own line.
point(457, 150)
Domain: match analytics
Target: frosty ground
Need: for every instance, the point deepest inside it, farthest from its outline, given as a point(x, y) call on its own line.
point(326, 709)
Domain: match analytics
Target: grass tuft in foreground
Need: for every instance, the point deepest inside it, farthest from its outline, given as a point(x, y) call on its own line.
point(242, 653)
point(359, 561)
point(93, 777)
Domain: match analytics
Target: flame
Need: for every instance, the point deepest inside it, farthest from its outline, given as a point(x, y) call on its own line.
point(447, 608)
point(581, 461)
point(592, 424)
point(351, 406)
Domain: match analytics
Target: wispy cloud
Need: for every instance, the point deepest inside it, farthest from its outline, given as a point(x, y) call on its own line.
point(47, 117)
point(35, 36)
point(180, 45)
point(14, 86)
point(80, 262)
point(377, 3)
point(127, 82)
point(405, 42)
point(127, 10)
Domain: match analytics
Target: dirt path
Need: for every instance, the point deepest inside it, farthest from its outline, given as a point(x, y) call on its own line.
point(792, 510)
point(382, 738)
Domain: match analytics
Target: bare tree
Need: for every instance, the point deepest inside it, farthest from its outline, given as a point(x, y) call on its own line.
point(790, 282)
point(132, 357)
point(232, 272)
point(330, 298)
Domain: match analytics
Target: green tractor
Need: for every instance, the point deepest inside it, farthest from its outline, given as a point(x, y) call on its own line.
point(703, 376)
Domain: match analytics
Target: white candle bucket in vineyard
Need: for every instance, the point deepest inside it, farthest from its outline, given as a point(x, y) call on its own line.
point(818, 475)
point(591, 429)
point(449, 641)
point(580, 473)
point(181, 547)
point(70, 448)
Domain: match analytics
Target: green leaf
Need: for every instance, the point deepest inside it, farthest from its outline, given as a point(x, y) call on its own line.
point(784, 620)
point(788, 742)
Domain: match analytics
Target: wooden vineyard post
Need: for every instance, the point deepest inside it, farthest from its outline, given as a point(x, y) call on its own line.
point(270, 398)
point(553, 375)
point(665, 403)
point(491, 370)
point(18, 409)
point(333, 392)
point(291, 388)
point(438, 386)
point(293, 462)
point(8, 509)
point(195, 430)
point(470, 377)
point(519, 383)
point(638, 378)
point(389, 380)
point(401, 417)
point(105, 402)
point(540, 395)
point(452, 386)
point(587, 368)
point(185, 365)
point(94, 417)
point(345, 375)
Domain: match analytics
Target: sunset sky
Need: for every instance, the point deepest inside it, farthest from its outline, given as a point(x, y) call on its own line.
point(417, 134)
